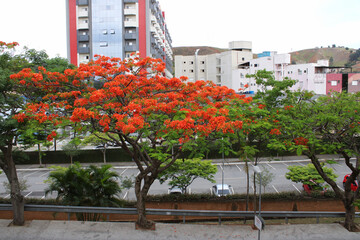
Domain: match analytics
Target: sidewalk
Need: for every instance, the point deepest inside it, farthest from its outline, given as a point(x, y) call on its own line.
point(73, 230)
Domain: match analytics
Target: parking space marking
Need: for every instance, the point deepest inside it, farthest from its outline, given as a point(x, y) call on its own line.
point(42, 175)
point(28, 194)
point(125, 194)
point(301, 164)
point(238, 168)
point(271, 166)
point(296, 188)
point(341, 188)
point(232, 190)
point(285, 164)
point(124, 171)
point(275, 189)
point(29, 174)
point(221, 168)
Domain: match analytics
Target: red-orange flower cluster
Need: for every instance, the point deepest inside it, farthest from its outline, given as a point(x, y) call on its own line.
point(301, 141)
point(275, 131)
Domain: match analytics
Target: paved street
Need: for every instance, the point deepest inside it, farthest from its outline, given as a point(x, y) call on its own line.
point(63, 230)
point(234, 175)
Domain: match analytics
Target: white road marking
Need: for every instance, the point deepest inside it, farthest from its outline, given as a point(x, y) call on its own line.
point(301, 164)
point(124, 171)
point(29, 174)
point(125, 194)
point(271, 166)
point(285, 164)
point(28, 194)
point(232, 190)
point(296, 188)
point(340, 188)
point(44, 174)
point(238, 168)
point(275, 189)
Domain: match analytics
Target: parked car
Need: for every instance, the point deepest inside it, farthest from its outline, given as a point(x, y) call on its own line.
point(309, 188)
point(222, 190)
point(175, 191)
point(354, 185)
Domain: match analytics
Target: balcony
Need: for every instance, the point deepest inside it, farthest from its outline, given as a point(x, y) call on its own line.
point(84, 50)
point(130, 48)
point(130, 11)
point(130, 24)
point(83, 38)
point(83, 14)
point(130, 36)
point(82, 2)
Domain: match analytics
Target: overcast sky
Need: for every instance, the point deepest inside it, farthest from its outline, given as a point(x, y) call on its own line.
point(276, 25)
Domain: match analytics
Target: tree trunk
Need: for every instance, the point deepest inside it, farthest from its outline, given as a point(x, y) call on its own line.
point(247, 187)
point(104, 154)
point(349, 216)
point(17, 200)
point(141, 193)
point(39, 150)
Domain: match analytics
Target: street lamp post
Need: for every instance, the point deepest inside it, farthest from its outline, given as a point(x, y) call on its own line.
point(258, 220)
point(196, 65)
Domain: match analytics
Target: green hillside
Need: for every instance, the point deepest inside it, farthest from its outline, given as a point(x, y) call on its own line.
point(339, 55)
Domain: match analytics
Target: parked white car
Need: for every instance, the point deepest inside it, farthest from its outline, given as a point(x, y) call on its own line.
point(222, 190)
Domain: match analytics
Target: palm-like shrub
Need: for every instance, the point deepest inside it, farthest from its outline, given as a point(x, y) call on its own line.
point(91, 186)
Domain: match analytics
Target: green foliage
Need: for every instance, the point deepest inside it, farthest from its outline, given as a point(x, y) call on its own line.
point(91, 186)
point(266, 178)
point(22, 183)
point(355, 56)
point(303, 174)
point(183, 172)
point(272, 92)
point(72, 148)
point(127, 182)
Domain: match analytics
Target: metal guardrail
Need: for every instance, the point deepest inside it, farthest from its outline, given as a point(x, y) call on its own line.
point(174, 212)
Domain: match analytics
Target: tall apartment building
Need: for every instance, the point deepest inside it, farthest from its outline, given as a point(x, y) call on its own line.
point(117, 28)
point(216, 67)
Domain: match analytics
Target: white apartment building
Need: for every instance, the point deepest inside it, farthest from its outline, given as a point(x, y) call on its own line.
point(214, 67)
point(309, 76)
point(230, 68)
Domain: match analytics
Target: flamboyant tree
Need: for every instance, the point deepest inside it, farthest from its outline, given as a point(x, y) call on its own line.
point(12, 100)
point(329, 124)
point(10, 104)
point(154, 118)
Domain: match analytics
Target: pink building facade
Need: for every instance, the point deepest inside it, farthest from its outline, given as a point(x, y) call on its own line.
point(340, 82)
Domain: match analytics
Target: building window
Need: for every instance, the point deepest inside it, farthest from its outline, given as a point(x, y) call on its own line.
point(184, 62)
point(87, 57)
point(85, 9)
point(333, 83)
point(191, 70)
point(103, 44)
point(191, 62)
point(112, 31)
point(243, 59)
point(202, 70)
point(355, 82)
point(104, 31)
point(84, 45)
point(202, 62)
point(184, 70)
point(255, 65)
point(299, 72)
point(85, 21)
